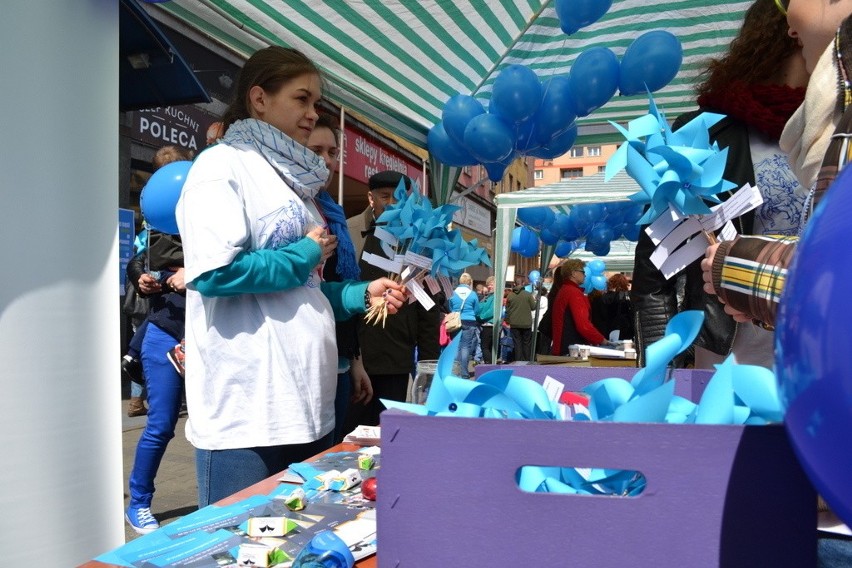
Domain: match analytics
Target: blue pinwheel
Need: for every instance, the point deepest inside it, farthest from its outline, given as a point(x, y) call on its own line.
point(737, 394)
point(681, 169)
point(421, 229)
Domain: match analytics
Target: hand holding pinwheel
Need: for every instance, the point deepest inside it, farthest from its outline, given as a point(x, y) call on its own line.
point(386, 297)
point(417, 245)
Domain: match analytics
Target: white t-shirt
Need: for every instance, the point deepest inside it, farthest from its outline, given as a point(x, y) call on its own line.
point(261, 368)
point(783, 197)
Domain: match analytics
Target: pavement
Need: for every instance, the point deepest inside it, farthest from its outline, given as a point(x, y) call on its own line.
point(176, 490)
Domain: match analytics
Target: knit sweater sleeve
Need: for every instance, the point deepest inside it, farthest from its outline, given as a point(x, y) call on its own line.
point(581, 313)
point(749, 274)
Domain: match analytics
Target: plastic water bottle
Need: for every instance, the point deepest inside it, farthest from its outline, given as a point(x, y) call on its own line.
point(325, 550)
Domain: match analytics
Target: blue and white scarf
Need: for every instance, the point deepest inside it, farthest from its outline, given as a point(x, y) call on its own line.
point(300, 168)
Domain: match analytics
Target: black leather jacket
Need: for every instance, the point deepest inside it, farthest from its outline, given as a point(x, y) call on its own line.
point(655, 299)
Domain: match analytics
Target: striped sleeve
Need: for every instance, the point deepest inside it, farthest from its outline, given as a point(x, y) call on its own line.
point(749, 274)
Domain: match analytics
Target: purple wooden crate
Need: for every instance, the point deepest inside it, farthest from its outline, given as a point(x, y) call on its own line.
point(720, 496)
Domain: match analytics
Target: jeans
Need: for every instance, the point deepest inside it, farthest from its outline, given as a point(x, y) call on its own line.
point(467, 347)
point(224, 472)
point(834, 551)
point(165, 395)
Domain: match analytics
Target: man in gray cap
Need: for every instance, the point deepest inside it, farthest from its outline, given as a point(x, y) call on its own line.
point(388, 352)
point(380, 195)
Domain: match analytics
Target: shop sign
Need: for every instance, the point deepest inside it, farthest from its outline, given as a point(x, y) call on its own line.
point(473, 216)
point(185, 126)
point(362, 158)
point(126, 237)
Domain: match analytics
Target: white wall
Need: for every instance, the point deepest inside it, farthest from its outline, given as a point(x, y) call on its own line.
point(60, 425)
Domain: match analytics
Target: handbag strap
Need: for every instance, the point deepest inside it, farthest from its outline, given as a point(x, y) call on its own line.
point(463, 301)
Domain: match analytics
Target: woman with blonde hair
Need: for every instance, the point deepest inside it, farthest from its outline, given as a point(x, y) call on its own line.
point(465, 301)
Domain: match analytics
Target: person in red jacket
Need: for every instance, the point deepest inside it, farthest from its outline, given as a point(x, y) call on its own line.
point(572, 322)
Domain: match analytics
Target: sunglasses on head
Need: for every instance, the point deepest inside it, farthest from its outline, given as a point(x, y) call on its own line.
point(782, 5)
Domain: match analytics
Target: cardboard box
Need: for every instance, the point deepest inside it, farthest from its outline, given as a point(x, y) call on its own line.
point(716, 496)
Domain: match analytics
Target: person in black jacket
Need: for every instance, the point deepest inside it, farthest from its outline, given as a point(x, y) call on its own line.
point(758, 84)
point(389, 351)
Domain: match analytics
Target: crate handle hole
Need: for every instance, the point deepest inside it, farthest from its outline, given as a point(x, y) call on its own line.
point(595, 482)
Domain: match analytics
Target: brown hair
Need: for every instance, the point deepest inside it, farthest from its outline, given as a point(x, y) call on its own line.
point(570, 266)
point(269, 68)
point(618, 283)
point(326, 121)
point(755, 55)
point(169, 154)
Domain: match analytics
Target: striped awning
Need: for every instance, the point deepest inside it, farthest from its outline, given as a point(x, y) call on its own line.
point(398, 61)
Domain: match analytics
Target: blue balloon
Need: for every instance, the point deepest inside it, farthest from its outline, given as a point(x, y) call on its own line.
point(445, 149)
point(584, 215)
point(599, 282)
point(496, 170)
point(614, 213)
point(558, 146)
point(160, 196)
point(548, 237)
point(537, 217)
point(634, 212)
point(650, 63)
point(599, 249)
point(593, 79)
point(565, 248)
point(631, 231)
point(576, 14)
point(532, 216)
point(534, 276)
point(561, 225)
point(556, 113)
point(600, 234)
point(516, 93)
point(526, 137)
point(457, 113)
point(488, 138)
point(812, 349)
point(531, 249)
point(596, 266)
point(523, 240)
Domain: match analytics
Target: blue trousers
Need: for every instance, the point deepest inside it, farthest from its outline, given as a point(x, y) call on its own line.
point(467, 347)
point(165, 395)
point(224, 472)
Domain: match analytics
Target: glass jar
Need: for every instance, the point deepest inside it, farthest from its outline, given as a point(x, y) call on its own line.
point(423, 379)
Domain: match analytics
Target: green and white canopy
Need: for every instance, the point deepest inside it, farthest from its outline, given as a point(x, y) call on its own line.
point(398, 61)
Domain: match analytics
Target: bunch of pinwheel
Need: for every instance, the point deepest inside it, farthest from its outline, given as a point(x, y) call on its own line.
point(418, 244)
point(679, 169)
point(736, 394)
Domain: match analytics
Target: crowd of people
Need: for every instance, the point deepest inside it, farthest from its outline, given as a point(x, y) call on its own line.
point(266, 284)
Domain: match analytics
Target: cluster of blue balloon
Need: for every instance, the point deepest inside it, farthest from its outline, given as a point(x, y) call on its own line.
point(595, 279)
point(160, 196)
point(598, 224)
point(528, 117)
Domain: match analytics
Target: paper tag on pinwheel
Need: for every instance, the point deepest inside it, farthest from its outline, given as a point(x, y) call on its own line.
point(675, 235)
